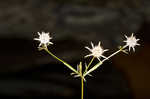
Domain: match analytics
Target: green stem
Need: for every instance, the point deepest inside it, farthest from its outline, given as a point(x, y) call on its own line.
point(92, 69)
point(82, 88)
point(90, 62)
point(89, 65)
point(66, 64)
point(114, 53)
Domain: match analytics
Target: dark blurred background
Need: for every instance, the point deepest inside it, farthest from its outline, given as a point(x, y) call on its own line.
point(73, 24)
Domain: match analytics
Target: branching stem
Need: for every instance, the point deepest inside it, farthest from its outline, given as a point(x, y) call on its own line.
point(101, 62)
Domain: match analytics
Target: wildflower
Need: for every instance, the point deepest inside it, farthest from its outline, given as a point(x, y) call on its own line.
point(44, 39)
point(96, 51)
point(131, 42)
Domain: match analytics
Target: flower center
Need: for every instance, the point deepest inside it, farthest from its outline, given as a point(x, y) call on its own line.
point(132, 42)
point(44, 38)
point(97, 51)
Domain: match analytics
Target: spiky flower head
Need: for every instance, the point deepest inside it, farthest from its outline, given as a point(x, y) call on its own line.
point(96, 51)
point(131, 42)
point(44, 39)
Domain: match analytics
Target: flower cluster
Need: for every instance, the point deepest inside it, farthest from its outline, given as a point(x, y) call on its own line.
point(96, 51)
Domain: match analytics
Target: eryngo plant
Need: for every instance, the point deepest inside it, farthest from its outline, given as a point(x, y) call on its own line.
point(95, 52)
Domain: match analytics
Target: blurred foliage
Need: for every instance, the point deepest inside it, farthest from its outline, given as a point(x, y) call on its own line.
point(116, 3)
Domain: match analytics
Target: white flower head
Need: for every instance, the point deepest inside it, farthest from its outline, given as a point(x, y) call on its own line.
point(96, 51)
point(44, 39)
point(131, 42)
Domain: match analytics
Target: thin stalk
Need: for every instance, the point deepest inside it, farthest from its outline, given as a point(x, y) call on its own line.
point(90, 62)
point(66, 64)
point(82, 88)
point(92, 69)
point(114, 53)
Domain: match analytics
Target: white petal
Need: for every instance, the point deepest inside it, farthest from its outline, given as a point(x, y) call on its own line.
point(40, 44)
point(105, 50)
point(126, 37)
point(99, 43)
point(50, 43)
point(43, 32)
point(137, 39)
point(92, 45)
point(103, 56)
point(36, 39)
point(132, 35)
point(88, 55)
point(138, 44)
point(39, 33)
point(124, 41)
point(133, 49)
point(88, 48)
point(129, 48)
